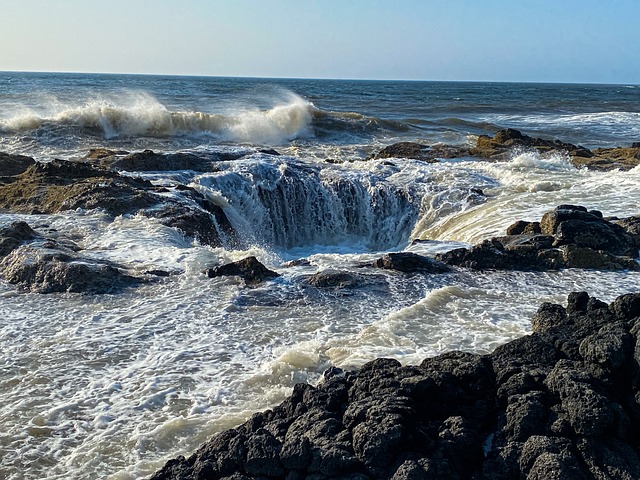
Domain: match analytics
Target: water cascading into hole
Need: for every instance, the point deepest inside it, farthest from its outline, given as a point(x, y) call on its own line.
point(288, 205)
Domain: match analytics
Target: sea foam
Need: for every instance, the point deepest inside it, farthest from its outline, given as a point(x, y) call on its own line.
point(138, 113)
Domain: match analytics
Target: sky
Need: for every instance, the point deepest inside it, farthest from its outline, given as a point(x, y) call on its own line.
point(585, 41)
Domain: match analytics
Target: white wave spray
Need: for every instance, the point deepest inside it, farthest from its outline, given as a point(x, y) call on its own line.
point(137, 113)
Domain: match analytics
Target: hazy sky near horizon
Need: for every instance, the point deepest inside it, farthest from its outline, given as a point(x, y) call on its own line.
point(492, 40)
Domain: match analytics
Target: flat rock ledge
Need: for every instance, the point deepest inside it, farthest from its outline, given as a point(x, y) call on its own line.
point(561, 403)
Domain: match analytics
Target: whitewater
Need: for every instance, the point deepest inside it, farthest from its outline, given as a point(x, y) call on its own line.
point(111, 386)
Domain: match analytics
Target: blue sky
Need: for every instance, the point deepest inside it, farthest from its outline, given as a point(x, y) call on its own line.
point(493, 40)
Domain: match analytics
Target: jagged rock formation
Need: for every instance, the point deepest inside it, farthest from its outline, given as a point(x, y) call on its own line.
point(563, 402)
point(409, 262)
point(11, 165)
point(418, 151)
point(567, 237)
point(501, 145)
point(60, 185)
point(148, 160)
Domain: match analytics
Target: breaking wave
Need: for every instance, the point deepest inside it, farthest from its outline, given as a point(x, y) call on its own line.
point(135, 114)
point(141, 114)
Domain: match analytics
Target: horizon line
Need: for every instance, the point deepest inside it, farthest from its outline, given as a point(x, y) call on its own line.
point(351, 79)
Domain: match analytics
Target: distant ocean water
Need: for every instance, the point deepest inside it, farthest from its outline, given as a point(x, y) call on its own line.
point(111, 386)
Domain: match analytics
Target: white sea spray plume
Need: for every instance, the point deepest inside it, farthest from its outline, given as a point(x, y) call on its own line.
point(275, 126)
point(132, 113)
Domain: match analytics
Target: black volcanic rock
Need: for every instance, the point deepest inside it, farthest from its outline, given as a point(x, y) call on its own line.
point(331, 278)
point(249, 269)
point(567, 237)
point(148, 160)
point(537, 407)
point(410, 262)
point(418, 151)
point(14, 235)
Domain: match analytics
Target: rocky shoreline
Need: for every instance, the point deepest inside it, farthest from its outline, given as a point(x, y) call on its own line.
point(501, 146)
point(568, 237)
point(563, 402)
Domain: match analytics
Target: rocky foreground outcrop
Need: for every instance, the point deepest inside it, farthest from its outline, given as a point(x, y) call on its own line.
point(569, 236)
point(561, 403)
point(507, 141)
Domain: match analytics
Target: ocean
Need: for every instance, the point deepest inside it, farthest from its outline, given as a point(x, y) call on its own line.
point(111, 386)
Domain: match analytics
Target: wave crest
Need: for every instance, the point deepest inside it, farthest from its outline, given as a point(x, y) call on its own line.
point(141, 114)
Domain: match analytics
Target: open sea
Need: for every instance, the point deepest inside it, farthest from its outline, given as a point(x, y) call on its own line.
point(112, 386)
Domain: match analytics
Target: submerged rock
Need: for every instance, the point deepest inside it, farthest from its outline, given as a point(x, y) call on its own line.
point(249, 269)
point(559, 403)
point(335, 279)
point(567, 237)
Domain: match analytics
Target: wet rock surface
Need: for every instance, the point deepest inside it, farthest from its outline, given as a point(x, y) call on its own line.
point(11, 165)
point(569, 236)
point(409, 262)
point(500, 146)
point(338, 279)
point(45, 264)
point(148, 160)
point(560, 403)
point(418, 151)
point(504, 143)
point(249, 269)
point(61, 185)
